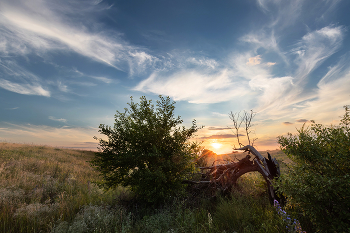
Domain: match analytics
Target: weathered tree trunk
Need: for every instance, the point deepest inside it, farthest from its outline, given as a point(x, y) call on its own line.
point(224, 177)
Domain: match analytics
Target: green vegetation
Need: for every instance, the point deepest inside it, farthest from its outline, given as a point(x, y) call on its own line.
point(144, 160)
point(147, 151)
point(318, 183)
point(46, 189)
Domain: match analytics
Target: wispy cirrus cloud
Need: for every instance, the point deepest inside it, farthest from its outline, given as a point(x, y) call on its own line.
point(99, 78)
point(20, 80)
point(218, 128)
point(282, 13)
point(26, 89)
point(202, 61)
point(58, 119)
point(221, 136)
point(333, 88)
point(266, 39)
point(37, 26)
point(315, 47)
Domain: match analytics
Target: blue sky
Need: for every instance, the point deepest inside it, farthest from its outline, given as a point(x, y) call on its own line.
point(67, 66)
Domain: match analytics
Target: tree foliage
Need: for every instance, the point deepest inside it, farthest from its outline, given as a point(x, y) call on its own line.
point(319, 183)
point(146, 150)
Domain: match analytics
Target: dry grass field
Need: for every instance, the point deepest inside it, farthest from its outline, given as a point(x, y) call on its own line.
point(40, 184)
point(46, 189)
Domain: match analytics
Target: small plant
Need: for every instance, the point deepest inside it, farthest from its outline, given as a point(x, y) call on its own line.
point(292, 225)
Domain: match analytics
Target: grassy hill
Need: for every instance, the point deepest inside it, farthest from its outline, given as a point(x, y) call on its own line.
point(45, 189)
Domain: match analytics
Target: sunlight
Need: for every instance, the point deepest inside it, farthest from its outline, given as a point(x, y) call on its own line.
point(216, 145)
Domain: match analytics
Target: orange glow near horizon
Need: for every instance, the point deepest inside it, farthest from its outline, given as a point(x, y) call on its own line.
point(225, 146)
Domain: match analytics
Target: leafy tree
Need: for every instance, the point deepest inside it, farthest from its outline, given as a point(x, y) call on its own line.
point(318, 185)
point(147, 151)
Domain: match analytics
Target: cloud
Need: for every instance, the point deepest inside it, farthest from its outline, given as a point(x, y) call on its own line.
point(35, 26)
point(301, 120)
point(311, 51)
point(56, 119)
point(218, 128)
point(264, 39)
point(26, 89)
point(193, 86)
point(271, 63)
point(315, 47)
point(211, 63)
point(236, 80)
point(255, 86)
point(217, 114)
point(332, 94)
point(254, 60)
point(103, 79)
point(287, 123)
point(283, 13)
point(22, 81)
point(280, 94)
point(99, 78)
point(62, 87)
point(273, 88)
point(220, 136)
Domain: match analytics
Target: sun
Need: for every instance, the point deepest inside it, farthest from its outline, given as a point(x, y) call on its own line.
point(216, 145)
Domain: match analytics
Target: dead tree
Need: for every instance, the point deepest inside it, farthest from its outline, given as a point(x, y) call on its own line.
point(223, 177)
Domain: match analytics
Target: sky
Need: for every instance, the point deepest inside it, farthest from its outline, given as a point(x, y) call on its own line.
point(66, 66)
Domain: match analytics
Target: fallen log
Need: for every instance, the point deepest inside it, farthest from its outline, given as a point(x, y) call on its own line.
point(223, 177)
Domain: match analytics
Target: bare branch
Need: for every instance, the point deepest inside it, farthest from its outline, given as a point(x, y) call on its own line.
point(237, 122)
point(247, 118)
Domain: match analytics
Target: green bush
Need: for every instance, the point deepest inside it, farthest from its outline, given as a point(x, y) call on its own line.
point(318, 184)
point(147, 151)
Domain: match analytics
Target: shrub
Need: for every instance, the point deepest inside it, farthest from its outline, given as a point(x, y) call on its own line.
point(318, 183)
point(146, 150)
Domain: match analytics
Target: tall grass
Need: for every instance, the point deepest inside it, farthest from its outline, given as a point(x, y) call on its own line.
point(39, 185)
point(44, 189)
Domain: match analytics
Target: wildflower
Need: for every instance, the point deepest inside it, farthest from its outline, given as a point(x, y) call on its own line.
point(210, 220)
point(294, 226)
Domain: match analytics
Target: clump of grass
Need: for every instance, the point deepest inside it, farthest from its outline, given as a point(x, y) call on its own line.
point(248, 209)
point(93, 218)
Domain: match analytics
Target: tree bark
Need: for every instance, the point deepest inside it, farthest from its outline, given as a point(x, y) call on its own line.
point(225, 176)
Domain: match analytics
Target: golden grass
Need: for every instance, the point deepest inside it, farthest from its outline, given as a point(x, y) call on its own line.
point(41, 184)
point(46, 189)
